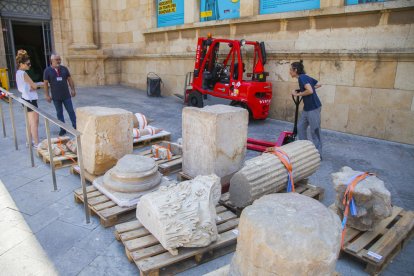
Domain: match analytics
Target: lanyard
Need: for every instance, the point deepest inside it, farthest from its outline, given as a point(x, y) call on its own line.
point(57, 71)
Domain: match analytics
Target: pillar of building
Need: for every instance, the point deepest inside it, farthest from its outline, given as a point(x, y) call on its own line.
point(81, 12)
point(191, 11)
point(249, 8)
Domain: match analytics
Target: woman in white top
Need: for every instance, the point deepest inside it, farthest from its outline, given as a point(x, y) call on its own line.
point(28, 89)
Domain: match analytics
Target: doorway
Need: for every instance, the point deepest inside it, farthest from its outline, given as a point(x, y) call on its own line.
point(29, 37)
point(32, 36)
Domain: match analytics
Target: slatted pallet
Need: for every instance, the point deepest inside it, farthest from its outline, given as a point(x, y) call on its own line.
point(60, 161)
point(147, 253)
point(107, 210)
point(183, 176)
point(301, 187)
point(74, 169)
point(152, 140)
point(378, 247)
point(166, 167)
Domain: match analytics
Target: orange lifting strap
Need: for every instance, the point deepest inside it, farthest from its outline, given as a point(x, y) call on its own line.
point(348, 201)
point(284, 158)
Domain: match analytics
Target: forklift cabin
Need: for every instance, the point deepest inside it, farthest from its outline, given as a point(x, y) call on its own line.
point(220, 69)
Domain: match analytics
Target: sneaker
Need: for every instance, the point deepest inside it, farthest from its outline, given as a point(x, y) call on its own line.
point(62, 132)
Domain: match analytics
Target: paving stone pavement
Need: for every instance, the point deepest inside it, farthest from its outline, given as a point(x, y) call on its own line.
point(43, 232)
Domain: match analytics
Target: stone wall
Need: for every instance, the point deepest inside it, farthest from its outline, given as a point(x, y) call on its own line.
point(363, 55)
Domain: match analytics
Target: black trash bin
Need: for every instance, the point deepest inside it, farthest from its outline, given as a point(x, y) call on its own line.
point(153, 85)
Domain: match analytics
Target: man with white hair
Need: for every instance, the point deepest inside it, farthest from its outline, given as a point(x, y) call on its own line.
point(58, 76)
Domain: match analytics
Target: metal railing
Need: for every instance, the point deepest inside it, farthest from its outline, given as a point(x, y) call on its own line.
point(48, 119)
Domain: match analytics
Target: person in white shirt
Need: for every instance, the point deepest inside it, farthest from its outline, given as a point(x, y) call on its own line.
point(27, 87)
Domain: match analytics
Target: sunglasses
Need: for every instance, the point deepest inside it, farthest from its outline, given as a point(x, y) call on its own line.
point(28, 64)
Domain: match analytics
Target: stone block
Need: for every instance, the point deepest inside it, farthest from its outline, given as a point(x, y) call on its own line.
point(326, 94)
point(331, 3)
point(353, 95)
point(247, 8)
point(400, 126)
point(125, 37)
point(400, 17)
point(281, 90)
point(112, 66)
point(278, 108)
point(183, 214)
point(337, 72)
point(254, 28)
point(214, 140)
point(312, 68)
point(298, 25)
point(375, 74)
point(392, 99)
point(372, 199)
point(348, 21)
point(106, 136)
point(404, 78)
point(287, 234)
point(367, 121)
point(279, 70)
point(335, 116)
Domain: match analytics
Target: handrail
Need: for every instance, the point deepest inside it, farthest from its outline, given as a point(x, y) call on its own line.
point(42, 113)
point(48, 118)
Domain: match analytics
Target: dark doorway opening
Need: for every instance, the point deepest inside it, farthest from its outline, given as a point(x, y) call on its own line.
point(29, 36)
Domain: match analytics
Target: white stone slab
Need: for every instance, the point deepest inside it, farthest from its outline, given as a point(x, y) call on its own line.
point(126, 199)
point(214, 140)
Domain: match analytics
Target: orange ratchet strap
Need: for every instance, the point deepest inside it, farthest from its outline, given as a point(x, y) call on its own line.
point(348, 201)
point(284, 158)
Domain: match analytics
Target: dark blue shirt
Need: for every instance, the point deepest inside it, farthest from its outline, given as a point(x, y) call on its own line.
point(310, 102)
point(58, 82)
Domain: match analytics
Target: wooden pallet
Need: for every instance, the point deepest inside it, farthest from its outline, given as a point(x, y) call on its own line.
point(152, 259)
point(74, 169)
point(183, 177)
point(107, 210)
point(151, 141)
point(60, 161)
point(166, 167)
point(378, 247)
point(302, 187)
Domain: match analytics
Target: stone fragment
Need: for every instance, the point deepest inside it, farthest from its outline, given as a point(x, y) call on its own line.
point(214, 140)
point(106, 136)
point(266, 174)
point(71, 145)
point(166, 150)
point(139, 121)
point(372, 199)
point(61, 140)
point(183, 214)
point(287, 234)
point(132, 177)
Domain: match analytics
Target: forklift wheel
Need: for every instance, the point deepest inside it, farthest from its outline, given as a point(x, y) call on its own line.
point(242, 105)
point(195, 98)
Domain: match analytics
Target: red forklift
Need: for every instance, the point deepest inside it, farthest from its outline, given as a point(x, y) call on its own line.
point(220, 71)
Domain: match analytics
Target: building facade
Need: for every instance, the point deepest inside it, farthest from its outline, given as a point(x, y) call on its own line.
point(362, 53)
